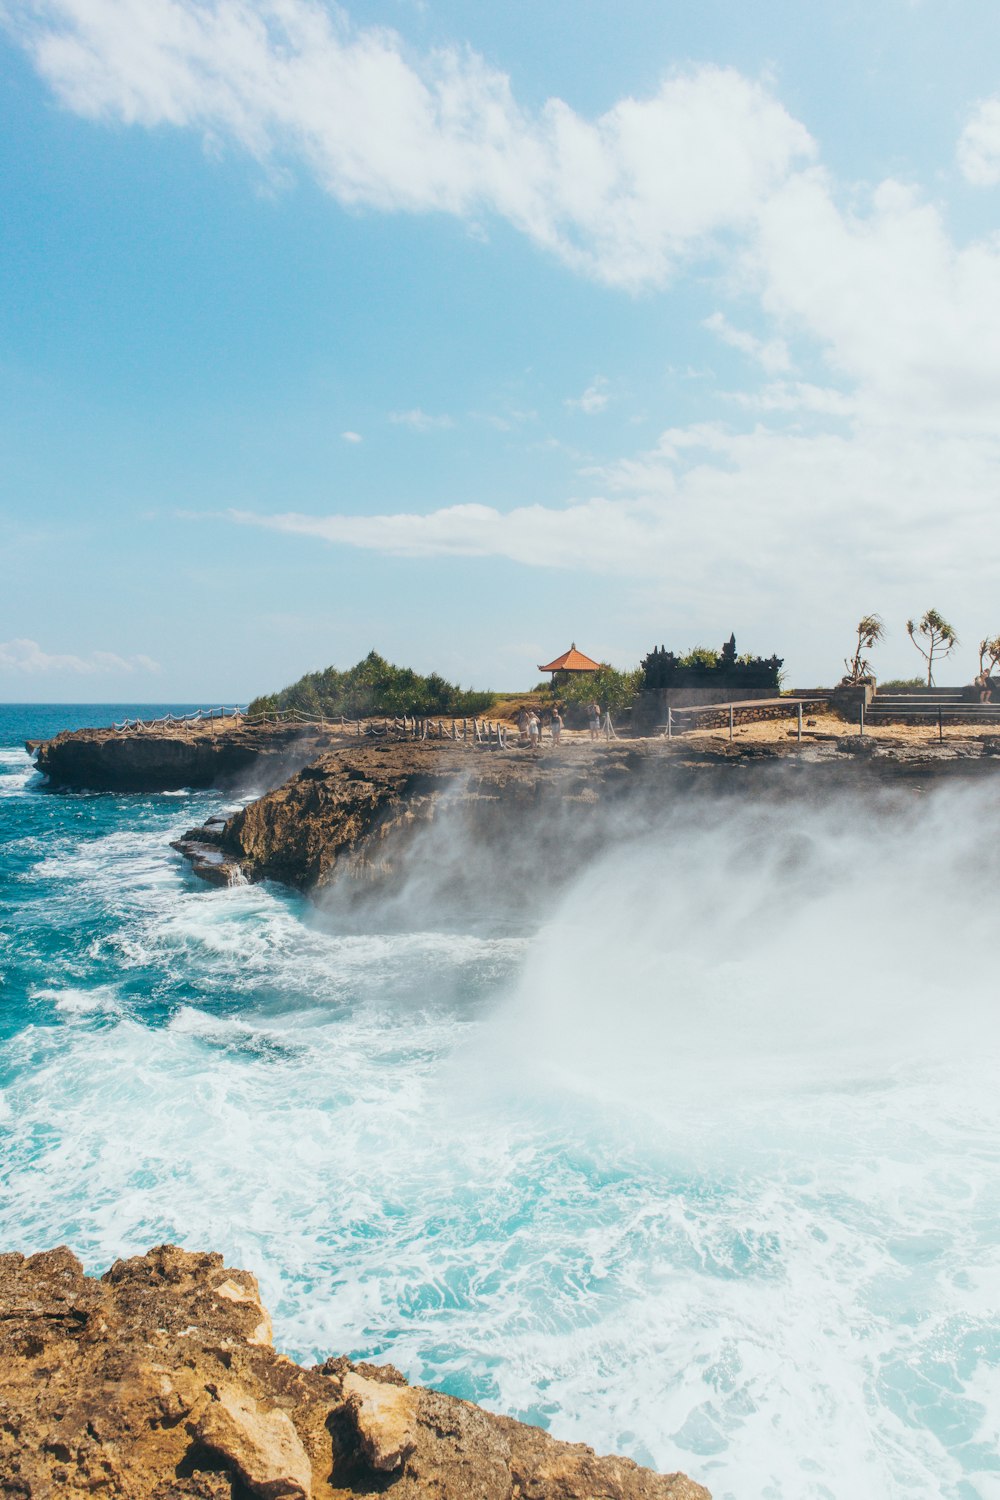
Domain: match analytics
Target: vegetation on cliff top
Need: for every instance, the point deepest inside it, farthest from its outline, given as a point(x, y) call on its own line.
point(703, 667)
point(612, 689)
point(373, 686)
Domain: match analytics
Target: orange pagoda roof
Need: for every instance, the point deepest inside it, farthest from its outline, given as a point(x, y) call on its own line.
point(571, 661)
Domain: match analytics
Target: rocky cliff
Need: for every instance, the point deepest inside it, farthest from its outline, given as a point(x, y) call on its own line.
point(180, 755)
point(375, 815)
point(380, 817)
point(160, 1381)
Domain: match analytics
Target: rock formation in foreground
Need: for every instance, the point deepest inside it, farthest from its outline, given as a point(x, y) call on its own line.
point(159, 1381)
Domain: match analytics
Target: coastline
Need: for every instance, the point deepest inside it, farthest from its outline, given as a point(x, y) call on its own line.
point(332, 806)
point(160, 1380)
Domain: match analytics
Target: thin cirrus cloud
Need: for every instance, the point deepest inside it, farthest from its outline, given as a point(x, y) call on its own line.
point(594, 399)
point(771, 354)
point(27, 656)
point(621, 197)
point(739, 513)
point(421, 421)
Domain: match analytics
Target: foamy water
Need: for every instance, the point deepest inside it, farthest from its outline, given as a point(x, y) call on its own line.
point(704, 1169)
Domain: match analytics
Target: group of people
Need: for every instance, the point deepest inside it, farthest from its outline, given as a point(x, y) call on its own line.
point(530, 725)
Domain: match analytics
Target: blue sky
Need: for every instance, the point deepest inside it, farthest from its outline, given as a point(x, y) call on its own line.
point(466, 331)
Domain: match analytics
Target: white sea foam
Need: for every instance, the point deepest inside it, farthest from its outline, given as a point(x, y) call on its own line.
point(17, 771)
point(709, 1174)
point(73, 1001)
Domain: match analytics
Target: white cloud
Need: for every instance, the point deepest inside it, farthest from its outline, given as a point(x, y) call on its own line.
point(27, 656)
point(594, 399)
point(421, 421)
point(771, 354)
point(796, 396)
point(898, 310)
point(351, 437)
point(794, 523)
point(621, 197)
point(979, 145)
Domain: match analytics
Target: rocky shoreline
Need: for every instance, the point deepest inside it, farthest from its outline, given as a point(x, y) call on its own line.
point(167, 758)
point(159, 1381)
point(361, 813)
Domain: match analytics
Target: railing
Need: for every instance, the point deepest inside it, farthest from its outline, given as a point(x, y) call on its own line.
point(488, 732)
point(200, 715)
point(751, 710)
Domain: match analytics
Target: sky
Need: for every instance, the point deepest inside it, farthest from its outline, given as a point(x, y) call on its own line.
point(463, 332)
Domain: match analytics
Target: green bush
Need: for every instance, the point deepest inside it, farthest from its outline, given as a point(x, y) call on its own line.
point(373, 686)
point(612, 689)
point(901, 684)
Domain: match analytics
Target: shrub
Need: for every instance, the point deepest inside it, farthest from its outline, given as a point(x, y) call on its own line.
point(374, 686)
point(703, 667)
point(612, 689)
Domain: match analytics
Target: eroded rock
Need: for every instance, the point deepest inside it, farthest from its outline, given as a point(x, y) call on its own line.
point(385, 1419)
point(159, 1382)
point(261, 1446)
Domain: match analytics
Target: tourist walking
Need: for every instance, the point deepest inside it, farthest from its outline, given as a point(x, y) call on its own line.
point(595, 721)
point(555, 725)
point(534, 729)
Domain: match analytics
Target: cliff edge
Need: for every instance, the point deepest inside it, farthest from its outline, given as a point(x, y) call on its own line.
point(167, 758)
point(159, 1381)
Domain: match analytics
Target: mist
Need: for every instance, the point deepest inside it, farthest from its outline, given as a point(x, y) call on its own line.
point(669, 1124)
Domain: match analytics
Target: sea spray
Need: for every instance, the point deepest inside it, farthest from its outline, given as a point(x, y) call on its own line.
point(700, 1165)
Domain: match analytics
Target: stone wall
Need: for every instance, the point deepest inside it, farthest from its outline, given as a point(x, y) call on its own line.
point(649, 707)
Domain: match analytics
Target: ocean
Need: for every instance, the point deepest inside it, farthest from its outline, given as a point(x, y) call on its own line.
point(698, 1162)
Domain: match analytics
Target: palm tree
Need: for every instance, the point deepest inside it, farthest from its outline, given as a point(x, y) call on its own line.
point(989, 656)
point(939, 635)
point(870, 631)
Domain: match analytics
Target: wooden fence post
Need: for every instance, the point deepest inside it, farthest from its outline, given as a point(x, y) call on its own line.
point(730, 721)
point(800, 723)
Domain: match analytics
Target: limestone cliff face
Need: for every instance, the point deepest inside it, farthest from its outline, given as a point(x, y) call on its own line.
point(160, 1382)
point(165, 759)
point(368, 814)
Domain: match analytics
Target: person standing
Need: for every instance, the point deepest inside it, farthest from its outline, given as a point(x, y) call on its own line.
point(534, 729)
point(595, 721)
point(556, 724)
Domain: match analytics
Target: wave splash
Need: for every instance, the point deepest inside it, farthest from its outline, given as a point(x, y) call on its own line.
point(704, 1171)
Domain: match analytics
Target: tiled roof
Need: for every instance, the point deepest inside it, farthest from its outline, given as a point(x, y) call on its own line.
point(571, 661)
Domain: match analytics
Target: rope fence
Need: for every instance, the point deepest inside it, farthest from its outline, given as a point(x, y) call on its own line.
point(200, 715)
point(485, 732)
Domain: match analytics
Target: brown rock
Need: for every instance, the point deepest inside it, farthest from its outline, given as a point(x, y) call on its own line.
point(159, 1382)
point(261, 1446)
point(385, 1418)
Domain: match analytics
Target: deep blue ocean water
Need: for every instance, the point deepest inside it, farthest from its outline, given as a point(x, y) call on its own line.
point(701, 1166)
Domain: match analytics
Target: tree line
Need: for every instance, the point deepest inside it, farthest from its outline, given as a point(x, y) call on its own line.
point(374, 686)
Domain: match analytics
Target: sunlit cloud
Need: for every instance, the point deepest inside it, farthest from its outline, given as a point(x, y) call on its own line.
point(979, 145)
point(622, 197)
point(771, 354)
point(27, 656)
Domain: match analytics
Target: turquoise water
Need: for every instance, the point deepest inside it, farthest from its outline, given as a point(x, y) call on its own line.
point(701, 1166)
